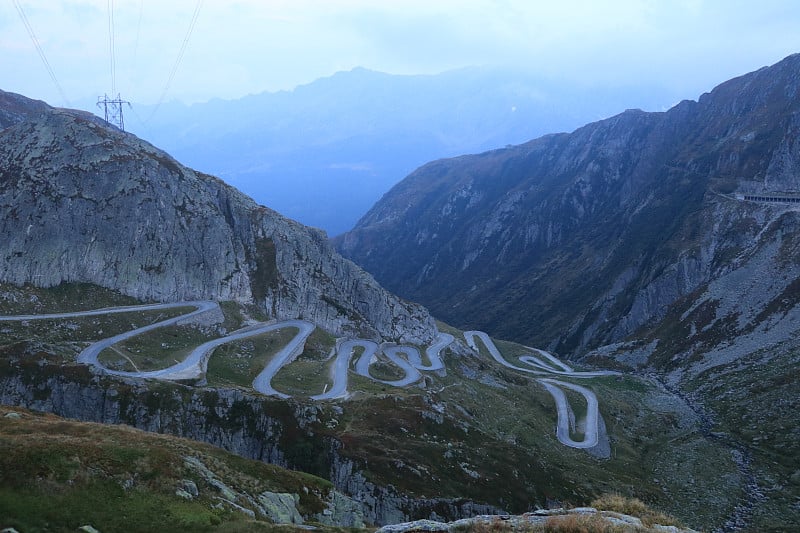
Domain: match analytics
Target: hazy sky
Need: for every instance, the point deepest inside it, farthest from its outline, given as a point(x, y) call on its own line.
point(240, 47)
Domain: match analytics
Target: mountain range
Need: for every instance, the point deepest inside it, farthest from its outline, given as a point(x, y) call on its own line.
point(661, 246)
point(324, 153)
point(576, 240)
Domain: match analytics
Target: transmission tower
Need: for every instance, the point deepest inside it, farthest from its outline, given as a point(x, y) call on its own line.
point(113, 109)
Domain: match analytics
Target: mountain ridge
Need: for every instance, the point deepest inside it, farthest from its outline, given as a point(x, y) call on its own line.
point(168, 233)
point(521, 205)
point(665, 244)
point(347, 138)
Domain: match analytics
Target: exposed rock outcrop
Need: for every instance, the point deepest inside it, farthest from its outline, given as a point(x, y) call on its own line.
point(84, 202)
point(577, 519)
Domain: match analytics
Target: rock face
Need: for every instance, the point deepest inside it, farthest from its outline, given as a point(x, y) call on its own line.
point(577, 240)
point(663, 242)
point(578, 519)
point(84, 202)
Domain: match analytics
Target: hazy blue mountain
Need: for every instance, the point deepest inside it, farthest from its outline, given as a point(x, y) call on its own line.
point(325, 152)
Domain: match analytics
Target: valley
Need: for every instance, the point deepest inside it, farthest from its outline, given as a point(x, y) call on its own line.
point(468, 422)
point(654, 258)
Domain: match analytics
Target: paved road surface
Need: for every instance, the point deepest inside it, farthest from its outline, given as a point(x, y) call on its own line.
point(566, 422)
point(341, 366)
point(263, 381)
point(550, 365)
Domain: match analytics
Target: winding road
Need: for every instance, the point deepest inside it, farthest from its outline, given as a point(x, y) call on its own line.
point(407, 358)
point(550, 365)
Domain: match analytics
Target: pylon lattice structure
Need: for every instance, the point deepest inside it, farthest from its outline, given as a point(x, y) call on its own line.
point(113, 109)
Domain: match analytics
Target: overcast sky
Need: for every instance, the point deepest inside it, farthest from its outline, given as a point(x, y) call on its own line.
point(241, 47)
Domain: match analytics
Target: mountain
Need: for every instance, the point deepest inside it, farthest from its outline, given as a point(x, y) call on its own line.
point(576, 240)
point(84, 202)
point(663, 243)
point(325, 152)
point(96, 223)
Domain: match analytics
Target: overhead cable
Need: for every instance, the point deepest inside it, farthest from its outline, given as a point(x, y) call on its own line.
point(138, 33)
point(40, 51)
point(182, 51)
point(111, 46)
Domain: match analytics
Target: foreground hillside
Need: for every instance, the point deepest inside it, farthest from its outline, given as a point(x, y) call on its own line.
point(59, 475)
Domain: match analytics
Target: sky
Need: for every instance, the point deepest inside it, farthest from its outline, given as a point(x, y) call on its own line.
point(240, 47)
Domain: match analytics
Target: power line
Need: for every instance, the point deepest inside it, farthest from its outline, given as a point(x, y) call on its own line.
point(111, 46)
point(40, 51)
point(138, 32)
point(185, 43)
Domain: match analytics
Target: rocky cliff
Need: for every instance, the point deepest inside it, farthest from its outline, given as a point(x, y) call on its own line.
point(84, 202)
point(666, 243)
point(576, 240)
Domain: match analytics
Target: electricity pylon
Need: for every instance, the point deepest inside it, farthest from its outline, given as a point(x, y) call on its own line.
point(113, 109)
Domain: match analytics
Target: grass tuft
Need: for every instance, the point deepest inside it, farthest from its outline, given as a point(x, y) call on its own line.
point(633, 507)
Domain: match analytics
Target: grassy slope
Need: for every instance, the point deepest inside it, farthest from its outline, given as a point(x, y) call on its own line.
point(757, 400)
point(57, 475)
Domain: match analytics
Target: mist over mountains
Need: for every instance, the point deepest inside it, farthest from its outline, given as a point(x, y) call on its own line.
point(324, 152)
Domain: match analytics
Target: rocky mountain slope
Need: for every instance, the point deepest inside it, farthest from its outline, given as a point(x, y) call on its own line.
point(84, 202)
point(664, 243)
point(576, 240)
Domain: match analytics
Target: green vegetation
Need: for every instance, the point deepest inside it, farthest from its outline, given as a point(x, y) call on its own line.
point(62, 298)
point(303, 378)
point(238, 363)
point(756, 400)
point(309, 373)
point(70, 335)
point(155, 349)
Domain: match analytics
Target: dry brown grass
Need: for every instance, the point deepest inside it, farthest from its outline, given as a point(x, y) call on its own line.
point(125, 472)
point(634, 507)
point(575, 523)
